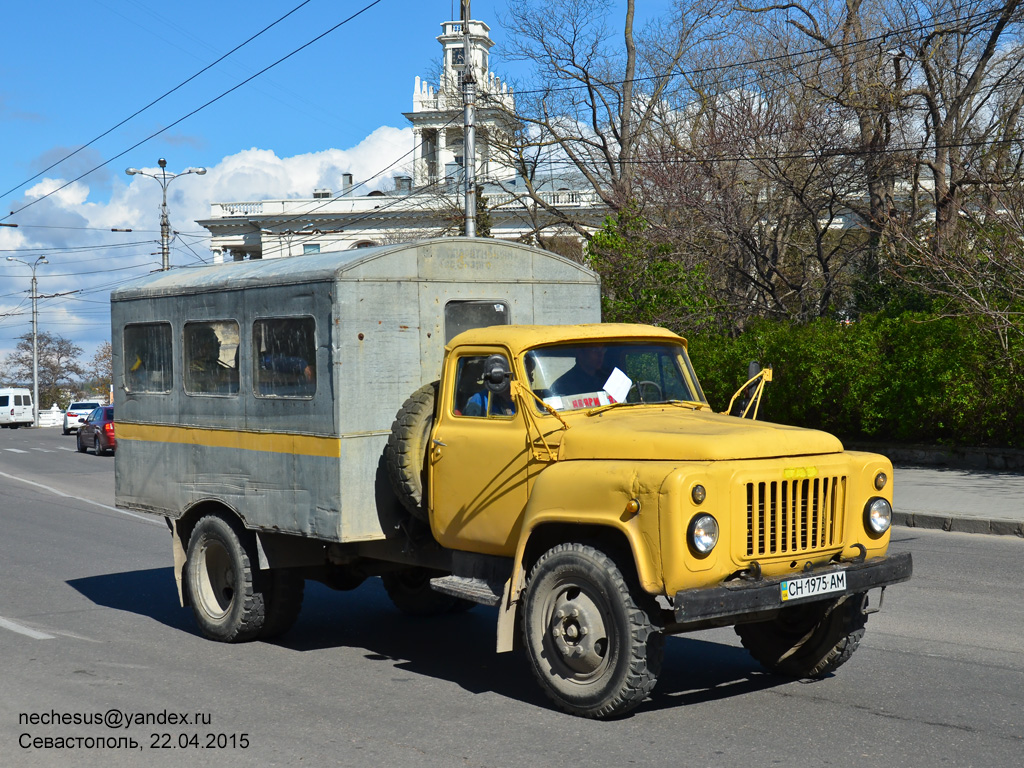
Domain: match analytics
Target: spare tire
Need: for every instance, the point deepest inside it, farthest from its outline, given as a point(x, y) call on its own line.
point(408, 447)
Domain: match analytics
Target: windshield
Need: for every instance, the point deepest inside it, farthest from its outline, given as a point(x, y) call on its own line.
point(576, 376)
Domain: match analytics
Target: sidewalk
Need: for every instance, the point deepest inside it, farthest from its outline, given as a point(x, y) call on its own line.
point(962, 500)
point(967, 490)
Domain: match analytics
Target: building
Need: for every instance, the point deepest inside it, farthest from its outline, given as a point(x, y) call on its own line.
point(429, 203)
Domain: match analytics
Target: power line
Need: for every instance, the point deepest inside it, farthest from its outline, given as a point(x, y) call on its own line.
point(154, 102)
point(197, 109)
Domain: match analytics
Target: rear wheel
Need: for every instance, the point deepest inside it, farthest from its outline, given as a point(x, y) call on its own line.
point(593, 649)
point(283, 599)
point(97, 446)
point(224, 587)
point(807, 641)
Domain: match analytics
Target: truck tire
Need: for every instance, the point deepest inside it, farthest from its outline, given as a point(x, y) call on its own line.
point(409, 590)
point(283, 601)
point(408, 447)
point(224, 588)
point(807, 641)
point(593, 649)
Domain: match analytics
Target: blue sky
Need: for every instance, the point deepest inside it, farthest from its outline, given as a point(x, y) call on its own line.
point(70, 71)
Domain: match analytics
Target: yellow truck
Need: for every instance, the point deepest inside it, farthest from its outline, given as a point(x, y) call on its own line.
point(572, 476)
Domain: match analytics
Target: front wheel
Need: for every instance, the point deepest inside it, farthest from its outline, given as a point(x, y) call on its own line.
point(223, 585)
point(79, 444)
point(593, 649)
point(807, 641)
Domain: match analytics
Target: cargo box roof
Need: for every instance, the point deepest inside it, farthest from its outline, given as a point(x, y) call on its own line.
point(443, 259)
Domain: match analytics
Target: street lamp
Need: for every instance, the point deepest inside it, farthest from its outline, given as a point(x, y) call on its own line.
point(35, 336)
point(165, 178)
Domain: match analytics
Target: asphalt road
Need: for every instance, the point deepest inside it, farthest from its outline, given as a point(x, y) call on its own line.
point(89, 622)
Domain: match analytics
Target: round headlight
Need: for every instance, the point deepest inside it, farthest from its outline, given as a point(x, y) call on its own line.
point(703, 534)
point(878, 515)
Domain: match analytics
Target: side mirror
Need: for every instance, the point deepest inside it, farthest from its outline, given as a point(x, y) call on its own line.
point(496, 373)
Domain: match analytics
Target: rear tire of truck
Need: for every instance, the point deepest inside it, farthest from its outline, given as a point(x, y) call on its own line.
point(408, 447)
point(593, 649)
point(807, 641)
point(283, 601)
point(409, 590)
point(223, 586)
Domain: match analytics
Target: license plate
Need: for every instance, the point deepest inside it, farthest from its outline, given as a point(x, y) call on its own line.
point(811, 586)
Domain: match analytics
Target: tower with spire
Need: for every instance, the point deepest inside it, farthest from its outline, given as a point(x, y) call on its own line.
point(436, 115)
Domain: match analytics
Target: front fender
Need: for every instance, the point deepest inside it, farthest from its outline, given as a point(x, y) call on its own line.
point(595, 494)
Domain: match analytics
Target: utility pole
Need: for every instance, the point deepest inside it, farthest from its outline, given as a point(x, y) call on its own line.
point(35, 336)
point(164, 179)
point(469, 130)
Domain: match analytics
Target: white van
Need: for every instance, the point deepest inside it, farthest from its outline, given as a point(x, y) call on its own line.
point(15, 408)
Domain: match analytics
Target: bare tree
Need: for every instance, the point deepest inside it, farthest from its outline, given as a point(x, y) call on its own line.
point(592, 100)
point(848, 53)
point(100, 370)
point(969, 55)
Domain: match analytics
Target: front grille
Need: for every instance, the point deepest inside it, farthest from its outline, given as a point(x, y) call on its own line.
point(794, 516)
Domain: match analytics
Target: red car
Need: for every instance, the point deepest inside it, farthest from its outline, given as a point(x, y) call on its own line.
point(97, 431)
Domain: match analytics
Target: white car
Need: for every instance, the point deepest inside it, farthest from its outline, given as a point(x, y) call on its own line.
point(75, 412)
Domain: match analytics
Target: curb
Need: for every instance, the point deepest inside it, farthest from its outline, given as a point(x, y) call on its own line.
point(955, 457)
point(953, 524)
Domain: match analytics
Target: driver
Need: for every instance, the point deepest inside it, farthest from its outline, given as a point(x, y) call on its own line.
point(588, 375)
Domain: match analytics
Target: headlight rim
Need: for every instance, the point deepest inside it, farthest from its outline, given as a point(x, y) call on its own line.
point(869, 525)
point(691, 538)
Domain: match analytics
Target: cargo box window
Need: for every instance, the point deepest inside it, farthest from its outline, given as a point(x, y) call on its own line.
point(5, 401)
point(460, 316)
point(284, 357)
point(211, 358)
point(147, 357)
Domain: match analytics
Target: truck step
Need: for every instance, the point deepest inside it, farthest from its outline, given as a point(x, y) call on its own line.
point(480, 591)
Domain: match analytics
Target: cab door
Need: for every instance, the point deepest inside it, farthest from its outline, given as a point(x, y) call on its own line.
point(478, 460)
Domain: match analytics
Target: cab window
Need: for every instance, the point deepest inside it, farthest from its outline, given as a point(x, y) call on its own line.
point(472, 398)
point(211, 358)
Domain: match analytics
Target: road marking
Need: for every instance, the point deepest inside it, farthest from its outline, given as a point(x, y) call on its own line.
point(15, 450)
point(22, 630)
point(43, 450)
point(143, 518)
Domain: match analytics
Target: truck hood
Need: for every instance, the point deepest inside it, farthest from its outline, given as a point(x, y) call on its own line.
point(676, 434)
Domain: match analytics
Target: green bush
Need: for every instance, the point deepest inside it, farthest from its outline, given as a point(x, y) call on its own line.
point(911, 378)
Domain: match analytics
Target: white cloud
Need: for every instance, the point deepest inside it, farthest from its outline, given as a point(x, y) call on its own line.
point(87, 259)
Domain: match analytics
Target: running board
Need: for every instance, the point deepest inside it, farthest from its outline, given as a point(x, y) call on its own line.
point(475, 590)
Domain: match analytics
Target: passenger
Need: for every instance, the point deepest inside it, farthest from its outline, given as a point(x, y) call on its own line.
point(487, 403)
point(207, 372)
point(588, 375)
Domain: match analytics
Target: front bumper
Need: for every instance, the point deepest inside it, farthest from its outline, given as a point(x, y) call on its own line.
point(732, 601)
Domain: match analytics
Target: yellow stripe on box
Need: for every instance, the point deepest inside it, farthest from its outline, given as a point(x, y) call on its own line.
point(242, 440)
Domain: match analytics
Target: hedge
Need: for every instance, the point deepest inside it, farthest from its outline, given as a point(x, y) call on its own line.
point(912, 378)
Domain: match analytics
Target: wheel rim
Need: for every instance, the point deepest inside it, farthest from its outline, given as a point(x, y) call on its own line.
point(216, 579)
point(576, 633)
point(96, 445)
